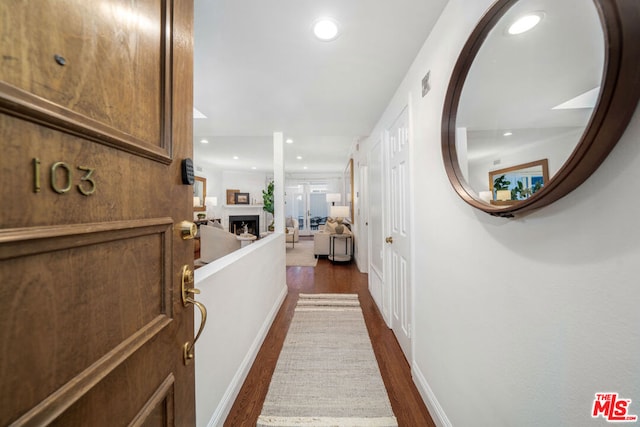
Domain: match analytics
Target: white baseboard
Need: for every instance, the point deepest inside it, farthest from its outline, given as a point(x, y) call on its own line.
point(436, 411)
point(230, 395)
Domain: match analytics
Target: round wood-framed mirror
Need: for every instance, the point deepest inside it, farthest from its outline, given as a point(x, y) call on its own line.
point(562, 92)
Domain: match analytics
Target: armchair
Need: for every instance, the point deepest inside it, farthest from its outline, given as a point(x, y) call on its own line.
point(293, 230)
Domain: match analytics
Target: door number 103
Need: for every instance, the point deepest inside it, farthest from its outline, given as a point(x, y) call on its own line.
point(62, 178)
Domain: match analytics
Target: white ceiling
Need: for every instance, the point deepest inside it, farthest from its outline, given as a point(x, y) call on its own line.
point(259, 69)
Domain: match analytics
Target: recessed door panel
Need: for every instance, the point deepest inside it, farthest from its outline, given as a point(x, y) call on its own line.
point(398, 241)
point(93, 59)
point(94, 122)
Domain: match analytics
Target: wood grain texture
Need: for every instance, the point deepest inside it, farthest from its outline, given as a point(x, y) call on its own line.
point(91, 319)
point(181, 142)
point(159, 409)
point(19, 103)
point(114, 58)
point(406, 402)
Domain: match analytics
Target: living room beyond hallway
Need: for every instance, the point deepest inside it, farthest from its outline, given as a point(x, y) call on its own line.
point(326, 277)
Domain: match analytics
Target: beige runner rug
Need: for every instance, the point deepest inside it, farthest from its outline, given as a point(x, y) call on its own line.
point(327, 374)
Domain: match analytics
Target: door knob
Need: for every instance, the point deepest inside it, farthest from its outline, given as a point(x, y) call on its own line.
point(389, 240)
point(188, 230)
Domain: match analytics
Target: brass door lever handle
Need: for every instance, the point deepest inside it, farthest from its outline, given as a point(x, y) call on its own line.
point(187, 289)
point(187, 348)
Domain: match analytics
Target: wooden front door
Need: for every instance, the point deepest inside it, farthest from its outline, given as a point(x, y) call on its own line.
point(95, 118)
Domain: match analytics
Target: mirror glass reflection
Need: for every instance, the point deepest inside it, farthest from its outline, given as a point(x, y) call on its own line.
point(199, 193)
point(347, 178)
point(529, 96)
point(519, 182)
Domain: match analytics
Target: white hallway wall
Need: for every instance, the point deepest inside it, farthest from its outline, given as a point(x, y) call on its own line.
point(242, 293)
point(247, 182)
point(521, 321)
point(218, 181)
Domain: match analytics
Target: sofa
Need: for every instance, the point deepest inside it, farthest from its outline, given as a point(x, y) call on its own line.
point(216, 242)
point(321, 240)
point(292, 230)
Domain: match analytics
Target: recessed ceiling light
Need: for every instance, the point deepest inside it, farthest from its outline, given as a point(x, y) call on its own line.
point(299, 157)
point(204, 141)
point(289, 141)
point(325, 29)
point(507, 134)
point(235, 157)
point(253, 167)
point(525, 23)
point(305, 168)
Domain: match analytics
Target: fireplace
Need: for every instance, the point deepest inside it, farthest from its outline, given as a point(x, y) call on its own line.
point(237, 223)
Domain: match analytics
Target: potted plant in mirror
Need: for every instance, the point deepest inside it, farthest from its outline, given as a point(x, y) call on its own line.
point(536, 187)
point(501, 188)
point(267, 200)
point(520, 192)
point(201, 216)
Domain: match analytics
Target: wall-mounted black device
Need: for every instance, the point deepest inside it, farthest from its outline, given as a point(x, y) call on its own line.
point(187, 172)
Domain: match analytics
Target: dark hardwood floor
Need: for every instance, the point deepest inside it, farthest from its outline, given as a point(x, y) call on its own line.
point(407, 404)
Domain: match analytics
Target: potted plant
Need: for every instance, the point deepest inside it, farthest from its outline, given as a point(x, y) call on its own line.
point(520, 192)
point(500, 184)
point(267, 200)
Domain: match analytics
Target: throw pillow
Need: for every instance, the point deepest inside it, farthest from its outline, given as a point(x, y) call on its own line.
point(330, 226)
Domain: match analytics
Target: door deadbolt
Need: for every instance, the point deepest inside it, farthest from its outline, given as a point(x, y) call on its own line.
point(188, 230)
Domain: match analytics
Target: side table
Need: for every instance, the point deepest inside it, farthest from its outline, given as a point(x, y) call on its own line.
point(246, 239)
point(348, 243)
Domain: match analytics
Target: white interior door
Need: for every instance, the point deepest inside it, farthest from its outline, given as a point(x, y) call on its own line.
point(398, 243)
point(378, 287)
point(362, 218)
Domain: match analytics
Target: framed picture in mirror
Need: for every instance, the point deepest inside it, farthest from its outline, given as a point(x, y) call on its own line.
point(348, 187)
point(199, 194)
point(518, 182)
